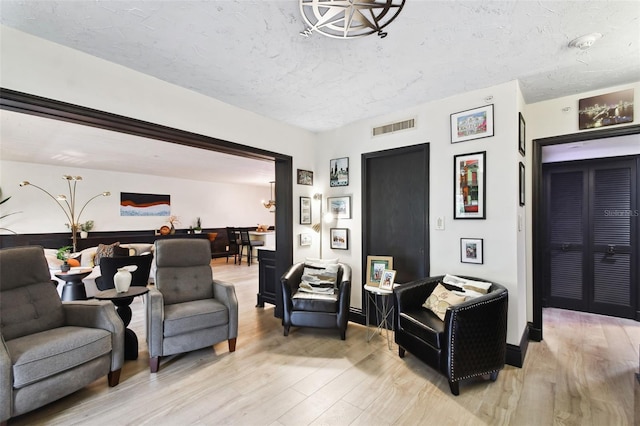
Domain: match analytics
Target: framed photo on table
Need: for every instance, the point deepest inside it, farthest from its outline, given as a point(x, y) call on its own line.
point(339, 238)
point(471, 250)
point(469, 179)
point(387, 280)
point(375, 267)
point(472, 124)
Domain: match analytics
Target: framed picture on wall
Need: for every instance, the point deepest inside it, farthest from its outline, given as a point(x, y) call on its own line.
point(339, 172)
point(469, 177)
point(339, 238)
point(375, 267)
point(339, 207)
point(605, 110)
point(472, 124)
point(305, 239)
point(471, 250)
point(305, 177)
point(305, 211)
point(521, 183)
point(521, 134)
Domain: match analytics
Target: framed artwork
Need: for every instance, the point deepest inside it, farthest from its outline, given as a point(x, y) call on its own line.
point(521, 134)
point(469, 179)
point(605, 110)
point(339, 172)
point(305, 211)
point(340, 207)
point(472, 124)
point(471, 250)
point(521, 183)
point(135, 204)
point(339, 238)
point(388, 277)
point(375, 267)
point(305, 239)
point(305, 177)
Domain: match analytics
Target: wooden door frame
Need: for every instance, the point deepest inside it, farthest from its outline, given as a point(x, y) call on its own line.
point(26, 103)
point(537, 215)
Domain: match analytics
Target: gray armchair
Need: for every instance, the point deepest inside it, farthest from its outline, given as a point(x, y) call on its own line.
point(188, 309)
point(49, 348)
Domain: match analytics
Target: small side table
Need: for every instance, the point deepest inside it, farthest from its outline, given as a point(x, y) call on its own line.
point(122, 302)
point(74, 287)
point(384, 310)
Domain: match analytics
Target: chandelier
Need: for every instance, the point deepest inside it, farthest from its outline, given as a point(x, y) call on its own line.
point(68, 204)
point(348, 18)
point(271, 203)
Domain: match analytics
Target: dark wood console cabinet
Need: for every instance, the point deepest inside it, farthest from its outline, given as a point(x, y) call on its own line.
point(268, 281)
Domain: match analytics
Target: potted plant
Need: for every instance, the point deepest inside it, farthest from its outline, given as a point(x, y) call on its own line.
point(85, 228)
point(198, 228)
point(63, 254)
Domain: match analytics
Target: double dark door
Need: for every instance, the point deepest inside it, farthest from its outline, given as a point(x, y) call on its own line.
point(591, 224)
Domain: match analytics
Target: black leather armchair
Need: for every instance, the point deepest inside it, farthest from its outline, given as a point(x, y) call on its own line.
point(470, 342)
point(311, 310)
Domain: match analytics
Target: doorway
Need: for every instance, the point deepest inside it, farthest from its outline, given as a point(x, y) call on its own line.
point(538, 230)
point(590, 221)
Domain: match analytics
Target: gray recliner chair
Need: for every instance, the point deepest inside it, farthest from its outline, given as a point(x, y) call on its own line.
point(49, 348)
point(188, 309)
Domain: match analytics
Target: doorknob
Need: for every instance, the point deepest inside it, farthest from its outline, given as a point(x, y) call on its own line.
point(565, 246)
point(611, 249)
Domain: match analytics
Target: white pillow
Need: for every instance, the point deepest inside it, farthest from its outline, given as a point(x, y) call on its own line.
point(53, 261)
point(466, 284)
point(313, 260)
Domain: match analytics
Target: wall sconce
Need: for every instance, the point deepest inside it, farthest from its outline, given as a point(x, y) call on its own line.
point(271, 203)
point(68, 204)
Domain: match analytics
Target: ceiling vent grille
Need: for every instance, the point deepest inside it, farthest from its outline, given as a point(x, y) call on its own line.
point(394, 127)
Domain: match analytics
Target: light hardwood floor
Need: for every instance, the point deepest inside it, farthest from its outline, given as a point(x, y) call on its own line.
point(583, 373)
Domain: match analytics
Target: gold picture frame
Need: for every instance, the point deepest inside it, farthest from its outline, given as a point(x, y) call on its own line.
point(375, 267)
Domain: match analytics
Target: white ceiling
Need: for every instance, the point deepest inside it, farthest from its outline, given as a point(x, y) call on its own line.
point(250, 53)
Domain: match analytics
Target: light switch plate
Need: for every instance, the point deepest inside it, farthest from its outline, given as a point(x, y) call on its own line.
point(440, 223)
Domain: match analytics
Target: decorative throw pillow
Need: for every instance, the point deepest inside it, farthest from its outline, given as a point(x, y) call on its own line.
point(320, 276)
point(109, 250)
point(440, 299)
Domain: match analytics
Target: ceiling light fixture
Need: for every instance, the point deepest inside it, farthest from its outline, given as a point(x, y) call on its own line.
point(586, 41)
point(271, 203)
point(348, 18)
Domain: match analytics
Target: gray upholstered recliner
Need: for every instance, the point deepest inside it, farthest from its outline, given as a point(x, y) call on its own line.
point(50, 348)
point(188, 309)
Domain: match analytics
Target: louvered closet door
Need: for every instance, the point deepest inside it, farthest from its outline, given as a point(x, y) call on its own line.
point(592, 236)
point(611, 241)
point(567, 222)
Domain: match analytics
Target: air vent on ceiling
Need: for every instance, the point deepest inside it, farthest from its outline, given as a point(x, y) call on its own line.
point(394, 127)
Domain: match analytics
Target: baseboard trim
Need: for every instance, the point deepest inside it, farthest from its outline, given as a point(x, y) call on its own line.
point(516, 353)
point(357, 316)
point(535, 333)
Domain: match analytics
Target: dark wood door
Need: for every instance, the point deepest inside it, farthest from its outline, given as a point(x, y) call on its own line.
point(395, 209)
point(592, 236)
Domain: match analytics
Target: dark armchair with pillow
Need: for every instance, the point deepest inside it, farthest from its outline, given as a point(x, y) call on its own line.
point(49, 348)
point(316, 295)
point(469, 341)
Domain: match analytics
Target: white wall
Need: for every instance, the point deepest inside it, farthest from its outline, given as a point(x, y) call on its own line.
point(502, 241)
point(218, 205)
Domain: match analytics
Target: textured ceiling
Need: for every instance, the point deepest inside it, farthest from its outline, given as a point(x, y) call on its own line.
point(250, 53)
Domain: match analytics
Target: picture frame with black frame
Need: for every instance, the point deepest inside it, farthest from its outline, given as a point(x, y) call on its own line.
point(305, 177)
point(339, 172)
point(472, 124)
point(339, 238)
point(305, 210)
point(521, 187)
point(339, 207)
point(469, 181)
point(521, 134)
point(471, 250)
